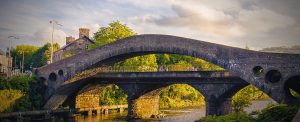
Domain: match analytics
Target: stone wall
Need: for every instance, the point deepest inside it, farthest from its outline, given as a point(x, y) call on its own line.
point(89, 96)
point(145, 107)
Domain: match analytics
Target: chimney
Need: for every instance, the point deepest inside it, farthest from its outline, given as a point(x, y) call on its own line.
point(70, 39)
point(84, 32)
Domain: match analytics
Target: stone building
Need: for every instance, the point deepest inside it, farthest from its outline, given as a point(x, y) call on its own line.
point(5, 64)
point(73, 46)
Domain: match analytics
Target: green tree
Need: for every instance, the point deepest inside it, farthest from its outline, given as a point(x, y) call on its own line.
point(115, 31)
point(28, 51)
point(112, 95)
point(244, 97)
point(33, 56)
point(180, 95)
point(41, 57)
point(139, 63)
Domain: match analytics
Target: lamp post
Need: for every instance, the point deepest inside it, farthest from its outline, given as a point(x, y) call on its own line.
point(9, 54)
point(53, 22)
point(10, 45)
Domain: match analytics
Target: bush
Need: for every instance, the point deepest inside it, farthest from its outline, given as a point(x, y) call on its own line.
point(8, 98)
point(26, 85)
point(277, 113)
point(234, 117)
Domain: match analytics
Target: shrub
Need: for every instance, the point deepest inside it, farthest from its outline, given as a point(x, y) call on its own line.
point(8, 98)
point(26, 85)
point(277, 113)
point(234, 117)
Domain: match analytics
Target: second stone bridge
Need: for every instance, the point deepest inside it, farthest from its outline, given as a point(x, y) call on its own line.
point(143, 90)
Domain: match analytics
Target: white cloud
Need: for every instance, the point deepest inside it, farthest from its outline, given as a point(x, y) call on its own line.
point(45, 36)
point(233, 22)
point(262, 20)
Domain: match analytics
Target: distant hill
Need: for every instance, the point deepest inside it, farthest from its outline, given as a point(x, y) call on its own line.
point(293, 49)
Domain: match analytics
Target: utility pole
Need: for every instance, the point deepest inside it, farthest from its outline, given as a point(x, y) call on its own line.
point(53, 22)
point(23, 61)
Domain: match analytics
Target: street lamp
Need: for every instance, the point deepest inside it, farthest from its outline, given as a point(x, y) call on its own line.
point(10, 45)
point(53, 22)
point(9, 53)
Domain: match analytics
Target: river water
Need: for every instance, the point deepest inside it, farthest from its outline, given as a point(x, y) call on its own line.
point(178, 115)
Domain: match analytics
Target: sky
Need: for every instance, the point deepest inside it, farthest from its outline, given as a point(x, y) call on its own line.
point(256, 23)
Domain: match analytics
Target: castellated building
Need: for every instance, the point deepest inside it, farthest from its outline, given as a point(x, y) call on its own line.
point(73, 46)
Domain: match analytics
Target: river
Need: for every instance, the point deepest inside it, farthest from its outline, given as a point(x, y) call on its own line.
point(177, 115)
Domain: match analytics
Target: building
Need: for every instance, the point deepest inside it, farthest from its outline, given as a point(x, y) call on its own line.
point(73, 46)
point(5, 64)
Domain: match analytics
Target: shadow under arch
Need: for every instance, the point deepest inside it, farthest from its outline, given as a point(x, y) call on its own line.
point(292, 89)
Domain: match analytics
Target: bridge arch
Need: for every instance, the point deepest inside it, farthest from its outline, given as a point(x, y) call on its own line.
point(238, 61)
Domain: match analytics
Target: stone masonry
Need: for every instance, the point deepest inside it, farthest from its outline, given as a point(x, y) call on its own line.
point(273, 73)
point(89, 96)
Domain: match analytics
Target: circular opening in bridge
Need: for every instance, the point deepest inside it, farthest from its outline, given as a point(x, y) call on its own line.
point(60, 72)
point(273, 76)
point(52, 77)
point(292, 87)
point(258, 71)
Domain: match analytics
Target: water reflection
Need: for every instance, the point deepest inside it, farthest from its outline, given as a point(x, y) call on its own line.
point(175, 115)
point(111, 117)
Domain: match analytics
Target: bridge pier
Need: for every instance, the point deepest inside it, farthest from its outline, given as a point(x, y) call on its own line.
point(143, 107)
point(120, 110)
point(218, 97)
point(143, 99)
point(218, 107)
point(90, 112)
point(98, 111)
point(105, 111)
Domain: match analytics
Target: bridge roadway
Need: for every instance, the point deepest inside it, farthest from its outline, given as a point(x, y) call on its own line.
point(170, 77)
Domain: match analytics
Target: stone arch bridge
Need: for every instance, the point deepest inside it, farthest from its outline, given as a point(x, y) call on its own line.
point(273, 73)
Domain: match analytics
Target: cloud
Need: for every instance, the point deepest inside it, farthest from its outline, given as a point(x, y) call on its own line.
point(261, 23)
point(45, 36)
point(232, 22)
point(262, 20)
point(206, 19)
